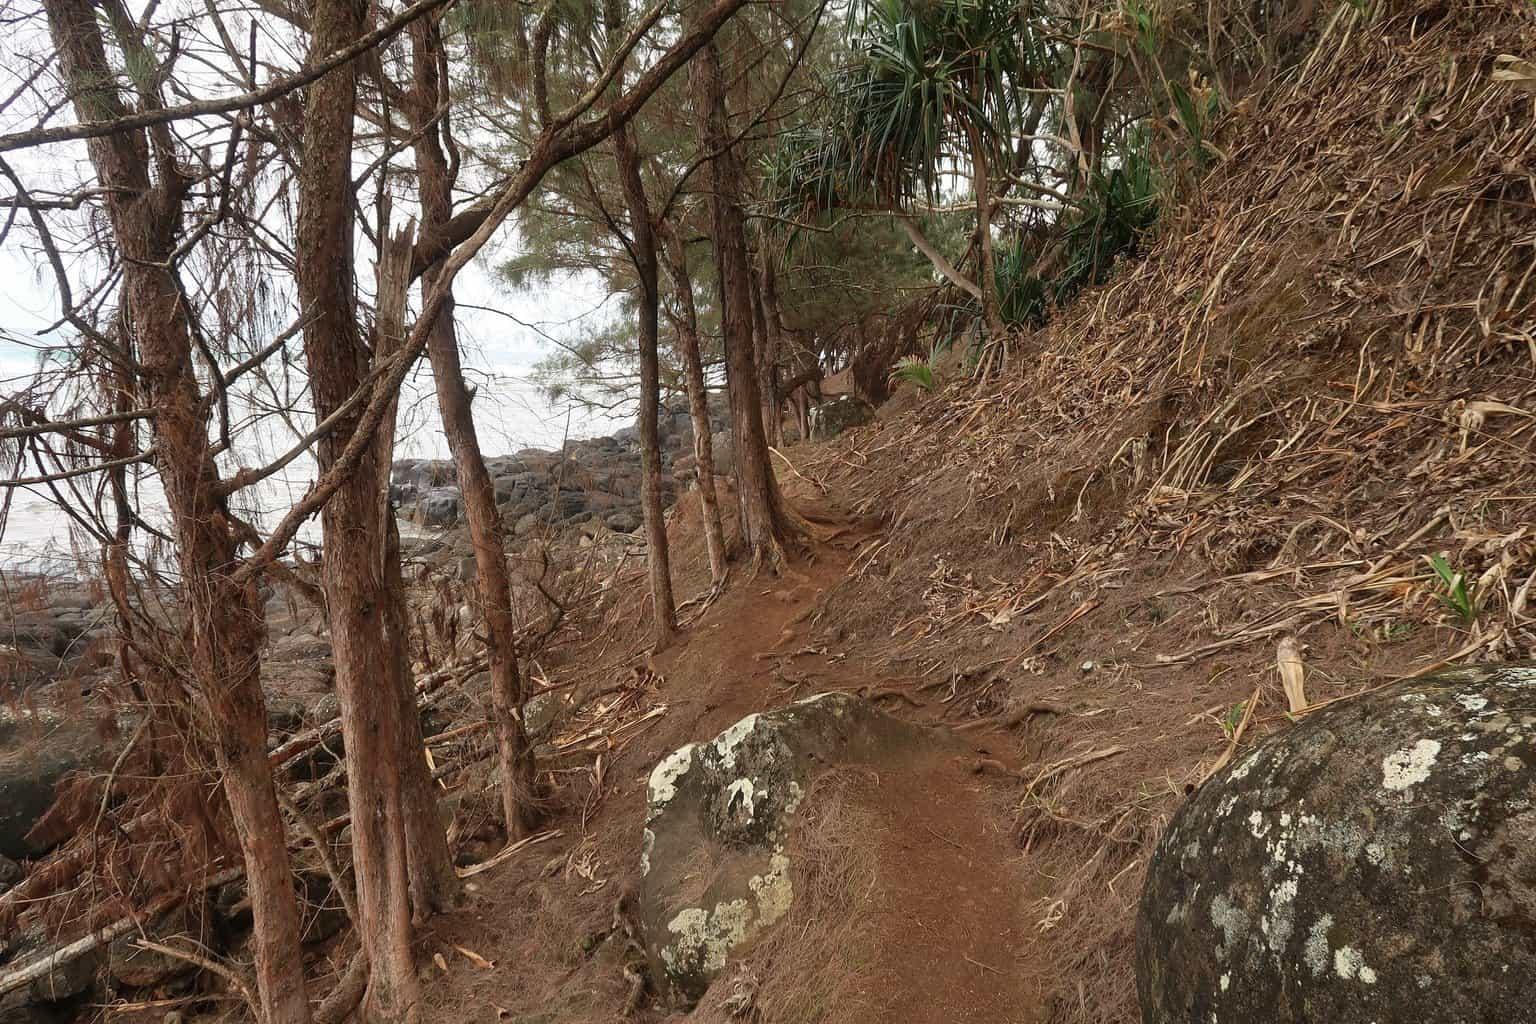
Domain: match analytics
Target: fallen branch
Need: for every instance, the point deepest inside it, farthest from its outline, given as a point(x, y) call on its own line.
point(1237, 737)
point(1051, 771)
point(44, 964)
point(507, 852)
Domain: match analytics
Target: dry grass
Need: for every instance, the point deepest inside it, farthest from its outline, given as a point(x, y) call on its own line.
point(806, 969)
point(1320, 375)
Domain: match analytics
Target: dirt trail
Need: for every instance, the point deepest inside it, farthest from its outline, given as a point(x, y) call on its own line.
point(939, 935)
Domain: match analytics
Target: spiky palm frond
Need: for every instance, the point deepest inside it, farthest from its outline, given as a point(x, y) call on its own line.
point(929, 78)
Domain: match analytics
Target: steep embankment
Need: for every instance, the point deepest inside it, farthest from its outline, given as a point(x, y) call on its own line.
point(1249, 441)
point(1319, 376)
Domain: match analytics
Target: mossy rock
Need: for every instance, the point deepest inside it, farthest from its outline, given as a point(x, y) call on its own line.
point(1373, 864)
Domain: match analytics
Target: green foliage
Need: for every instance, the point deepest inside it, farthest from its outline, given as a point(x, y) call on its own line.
point(1196, 107)
point(914, 370)
point(1233, 718)
point(1457, 592)
point(1117, 210)
point(929, 77)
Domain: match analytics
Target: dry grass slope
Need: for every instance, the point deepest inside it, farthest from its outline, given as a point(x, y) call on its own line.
point(1320, 375)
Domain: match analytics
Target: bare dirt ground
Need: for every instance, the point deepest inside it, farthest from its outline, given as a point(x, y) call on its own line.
point(927, 921)
point(1253, 440)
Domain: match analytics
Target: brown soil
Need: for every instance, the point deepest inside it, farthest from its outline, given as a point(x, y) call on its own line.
point(1318, 377)
point(941, 904)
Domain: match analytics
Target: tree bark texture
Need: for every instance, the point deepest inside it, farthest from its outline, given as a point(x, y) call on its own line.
point(698, 400)
point(224, 622)
point(643, 245)
point(353, 571)
point(763, 527)
point(493, 582)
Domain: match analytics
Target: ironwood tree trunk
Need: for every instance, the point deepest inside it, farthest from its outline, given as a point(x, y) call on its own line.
point(764, 529)
point(698, 399)
point(515, 760)
point(223, 620)
point(773, 346)
point(433, 881)
point(354, 552)
point(643, 252)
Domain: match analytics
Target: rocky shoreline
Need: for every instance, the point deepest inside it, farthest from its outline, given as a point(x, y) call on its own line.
point(592, 481)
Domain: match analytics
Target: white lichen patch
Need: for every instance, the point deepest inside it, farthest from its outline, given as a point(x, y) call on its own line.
point(792, 801)
point(1350, 965)
point(1472, 702)
point(1406, 768)
point(1277, 923)
point(1243, 767)
point(1316, 950)
point(663, 785)
point(727, 742)
point(740, 793)
point(774, 890)
point(647, 844)
point(1231, 919)
point(704, 938)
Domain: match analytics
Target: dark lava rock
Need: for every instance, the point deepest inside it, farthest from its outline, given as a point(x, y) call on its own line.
point(60, 983)
point(831, 419)
point(132, 966)
point(623, 522)
point(37, 749)
point(723, 811)
point(439, 507)
point(1373, 864)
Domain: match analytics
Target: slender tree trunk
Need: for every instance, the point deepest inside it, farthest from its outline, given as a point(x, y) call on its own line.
point(223, 625)
point(643, 242)
point(763, 526)
point(353, 572)
point(698, 401)
point(494, 586)
point(773, 346)
point(433, 882)
point(991, 314)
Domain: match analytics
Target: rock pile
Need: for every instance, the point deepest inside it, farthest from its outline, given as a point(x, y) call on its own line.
point(592, 480)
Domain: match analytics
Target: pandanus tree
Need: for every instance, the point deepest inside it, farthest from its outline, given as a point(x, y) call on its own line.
point(934, 88)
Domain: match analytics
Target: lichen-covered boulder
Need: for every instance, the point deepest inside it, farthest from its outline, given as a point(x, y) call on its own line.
point(715, 862)
point(1374, 864)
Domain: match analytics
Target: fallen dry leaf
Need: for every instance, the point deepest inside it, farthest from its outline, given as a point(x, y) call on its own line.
point(475, 958)
point(1292, 674)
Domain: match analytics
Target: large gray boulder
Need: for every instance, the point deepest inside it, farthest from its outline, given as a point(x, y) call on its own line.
point(715, 864)
point(1373, 864)
point(831, 419)
point(439, 507)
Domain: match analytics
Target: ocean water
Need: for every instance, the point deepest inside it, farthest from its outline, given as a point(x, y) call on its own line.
point(37, 533)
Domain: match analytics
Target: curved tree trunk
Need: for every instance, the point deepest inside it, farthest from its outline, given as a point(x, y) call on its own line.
point(354, 552)
point(763, 526)
point(698, 400)
point(223, 621)
point(643, 246)
point(493, 583)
